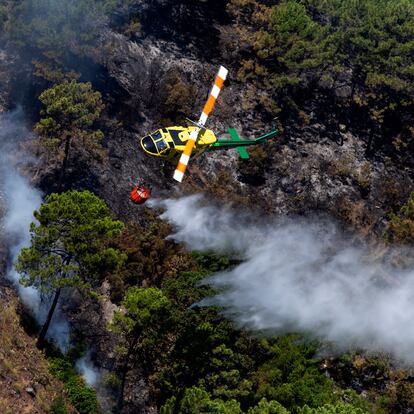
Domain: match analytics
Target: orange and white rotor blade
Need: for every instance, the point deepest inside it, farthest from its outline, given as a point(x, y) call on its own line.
point(218, 84)
point(185, 156)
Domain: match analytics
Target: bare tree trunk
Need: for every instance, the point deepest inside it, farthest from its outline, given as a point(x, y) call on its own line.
point(64, 164)
point(42, 335)
point(120, 402)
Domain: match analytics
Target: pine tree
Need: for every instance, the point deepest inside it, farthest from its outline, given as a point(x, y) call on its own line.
point(145, 311)
point(67, 123)
point(69, 247)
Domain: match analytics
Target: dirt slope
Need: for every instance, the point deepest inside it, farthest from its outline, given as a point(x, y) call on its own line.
point(26, 387)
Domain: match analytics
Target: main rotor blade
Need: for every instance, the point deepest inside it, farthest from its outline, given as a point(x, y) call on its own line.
point(218, 84)
point(185, 156)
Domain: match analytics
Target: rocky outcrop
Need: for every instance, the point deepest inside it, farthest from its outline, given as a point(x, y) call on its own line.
point(313, 167)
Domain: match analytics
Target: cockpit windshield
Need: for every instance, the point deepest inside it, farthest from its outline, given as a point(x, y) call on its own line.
point(159, 141)
point(156, 135)
point(155, 143)
point(149, 145)
point(161, 145)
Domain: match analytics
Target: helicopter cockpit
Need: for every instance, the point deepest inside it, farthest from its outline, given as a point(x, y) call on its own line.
point(155, 144)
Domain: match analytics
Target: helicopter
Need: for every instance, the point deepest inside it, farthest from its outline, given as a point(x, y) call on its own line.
point(168, 143)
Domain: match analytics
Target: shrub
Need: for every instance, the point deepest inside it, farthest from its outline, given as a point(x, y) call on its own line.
point(80, 394)
point(401, 225)
point(58, 406)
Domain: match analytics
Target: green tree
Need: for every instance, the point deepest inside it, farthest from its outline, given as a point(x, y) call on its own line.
point(401, 225)
point(52, 34)
point(298, 42)
point(268, 407)
point(145, 310)
point(375, 39)
point(198, 401)
point(339, 408)
point(288, 47)
point(69, 247)
point(357, 56)
point(67, 124)
point(81, 395)
point(291, 376)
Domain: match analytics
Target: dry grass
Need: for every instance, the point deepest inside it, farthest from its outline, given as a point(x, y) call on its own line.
point(22, 365)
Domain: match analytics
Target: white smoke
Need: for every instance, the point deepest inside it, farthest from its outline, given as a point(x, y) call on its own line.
point(85, 367)
point(20, 200)
point(205, 227)
point(301, 276)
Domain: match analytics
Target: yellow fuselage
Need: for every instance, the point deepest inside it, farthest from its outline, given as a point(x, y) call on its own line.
point(168, 142)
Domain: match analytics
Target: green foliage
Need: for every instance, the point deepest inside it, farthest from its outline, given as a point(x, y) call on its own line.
point(62, 367)
point(144, 308)
point(81, 395)
point(141, 329)
point(212, 262)
point(55, 31)
point(184, 289)
point(297, 40)
point(112, 381)
point(69, 105)
point(197, 360)
point(291, 43)
point(230, 365)
point(58, 406)
point(339, 408)
point(353, 53)
point(70, 110)
point(141, 323)
point(69, 243)
point(292, 376)
point(197, 401)
point(401, 225)
point(375, 37)
point(268, 407)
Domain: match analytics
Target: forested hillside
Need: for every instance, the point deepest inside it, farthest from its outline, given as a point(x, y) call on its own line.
point(122, 293)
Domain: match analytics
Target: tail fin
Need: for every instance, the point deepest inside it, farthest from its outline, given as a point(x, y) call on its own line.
point(242, 150)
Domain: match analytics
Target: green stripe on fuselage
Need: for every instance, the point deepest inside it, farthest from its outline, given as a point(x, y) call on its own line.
point(240, 144)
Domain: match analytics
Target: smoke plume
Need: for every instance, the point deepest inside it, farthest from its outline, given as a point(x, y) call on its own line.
point(20, 200)
point(301, 276)
point(85, 367)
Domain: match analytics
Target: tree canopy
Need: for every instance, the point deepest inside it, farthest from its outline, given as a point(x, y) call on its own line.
point(139, 326)
point(56, 33)
point(401, 225)
point(355, 56)
point(339, 408)
point(70, 110)
point(69, 245)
